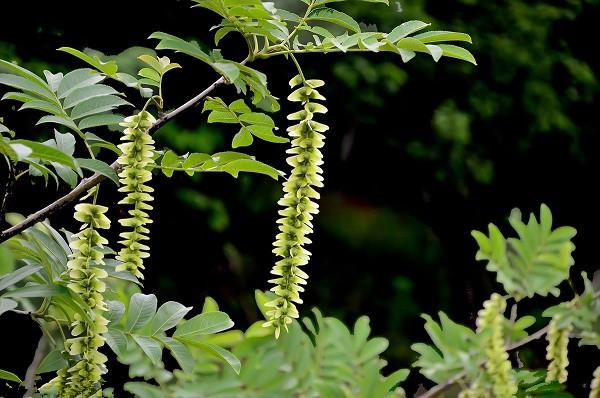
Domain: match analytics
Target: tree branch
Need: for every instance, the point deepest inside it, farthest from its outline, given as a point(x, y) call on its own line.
point(30, 375)
point(433, 392)
point(96, 179)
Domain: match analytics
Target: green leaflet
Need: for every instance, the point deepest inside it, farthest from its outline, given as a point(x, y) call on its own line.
point(253, 124)
point(158, 67)
point(236, 73)
point(76, 100)
point(10, 376)
point(330, 15)
point(402, 40)
point(456, 348)
point(298, 204)
point(229, 162)
point(109, 68)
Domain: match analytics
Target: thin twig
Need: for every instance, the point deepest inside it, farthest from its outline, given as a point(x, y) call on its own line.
point(30, 375)
point(434, 391)
point(96, 179)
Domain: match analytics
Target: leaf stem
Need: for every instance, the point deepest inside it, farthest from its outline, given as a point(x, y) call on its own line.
point(298, 67)
point(300, 23)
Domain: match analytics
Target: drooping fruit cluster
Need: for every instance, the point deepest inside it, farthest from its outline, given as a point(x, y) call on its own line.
point(137, 155)
point(298, 203)
point(498, 367)
point(556, 351)
point(82, 379)
point(595, 384)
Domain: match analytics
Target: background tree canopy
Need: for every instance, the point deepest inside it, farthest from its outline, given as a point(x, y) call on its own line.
point(420, 155)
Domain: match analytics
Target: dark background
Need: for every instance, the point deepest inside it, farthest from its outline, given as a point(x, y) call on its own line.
point(418, 155)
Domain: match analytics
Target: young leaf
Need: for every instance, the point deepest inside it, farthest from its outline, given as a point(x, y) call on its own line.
point(52, 362)
point(79, 78)
point(203, 324)
point(169, 161)
point(326, 14)
point(117, 341)
point(7, 305)
point(109, 68)
point(142, 308)
point(97, 105)
point(168, 315)
point(406, 29)
point(98, 166)
point(10, 376)
point(210, 305)
point(48, 153)
point(242, 138)
point(151, 347)
point(143, 390)
point(88, 92)
point(249, 165)
point(105, 119)
point(181, 353)
point(223, 354)
point(452, 51)
point(37, 291)
point(435, 36)
point(18, 275)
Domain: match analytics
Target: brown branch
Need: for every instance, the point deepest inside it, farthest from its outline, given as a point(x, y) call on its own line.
point(30, 375)
point(96, 179)
point(433, 392)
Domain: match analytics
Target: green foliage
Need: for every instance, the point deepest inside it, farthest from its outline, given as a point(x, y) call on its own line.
point(457, 348)
point(9, 376)
point(582, 314)
point(479, 359)
point(153, 76)
point(323, 359)
point(535, 262)
point(76, 100)
point(532, 384)
point(253, 124)
point(237, 73)
point(229, 162)
point(139, 335)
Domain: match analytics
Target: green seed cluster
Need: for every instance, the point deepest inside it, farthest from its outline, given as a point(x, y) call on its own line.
point(137, 155)
point(557, 352)
point(595, 385)
point(298, 203)
point(498, 367)
point(86, 279)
